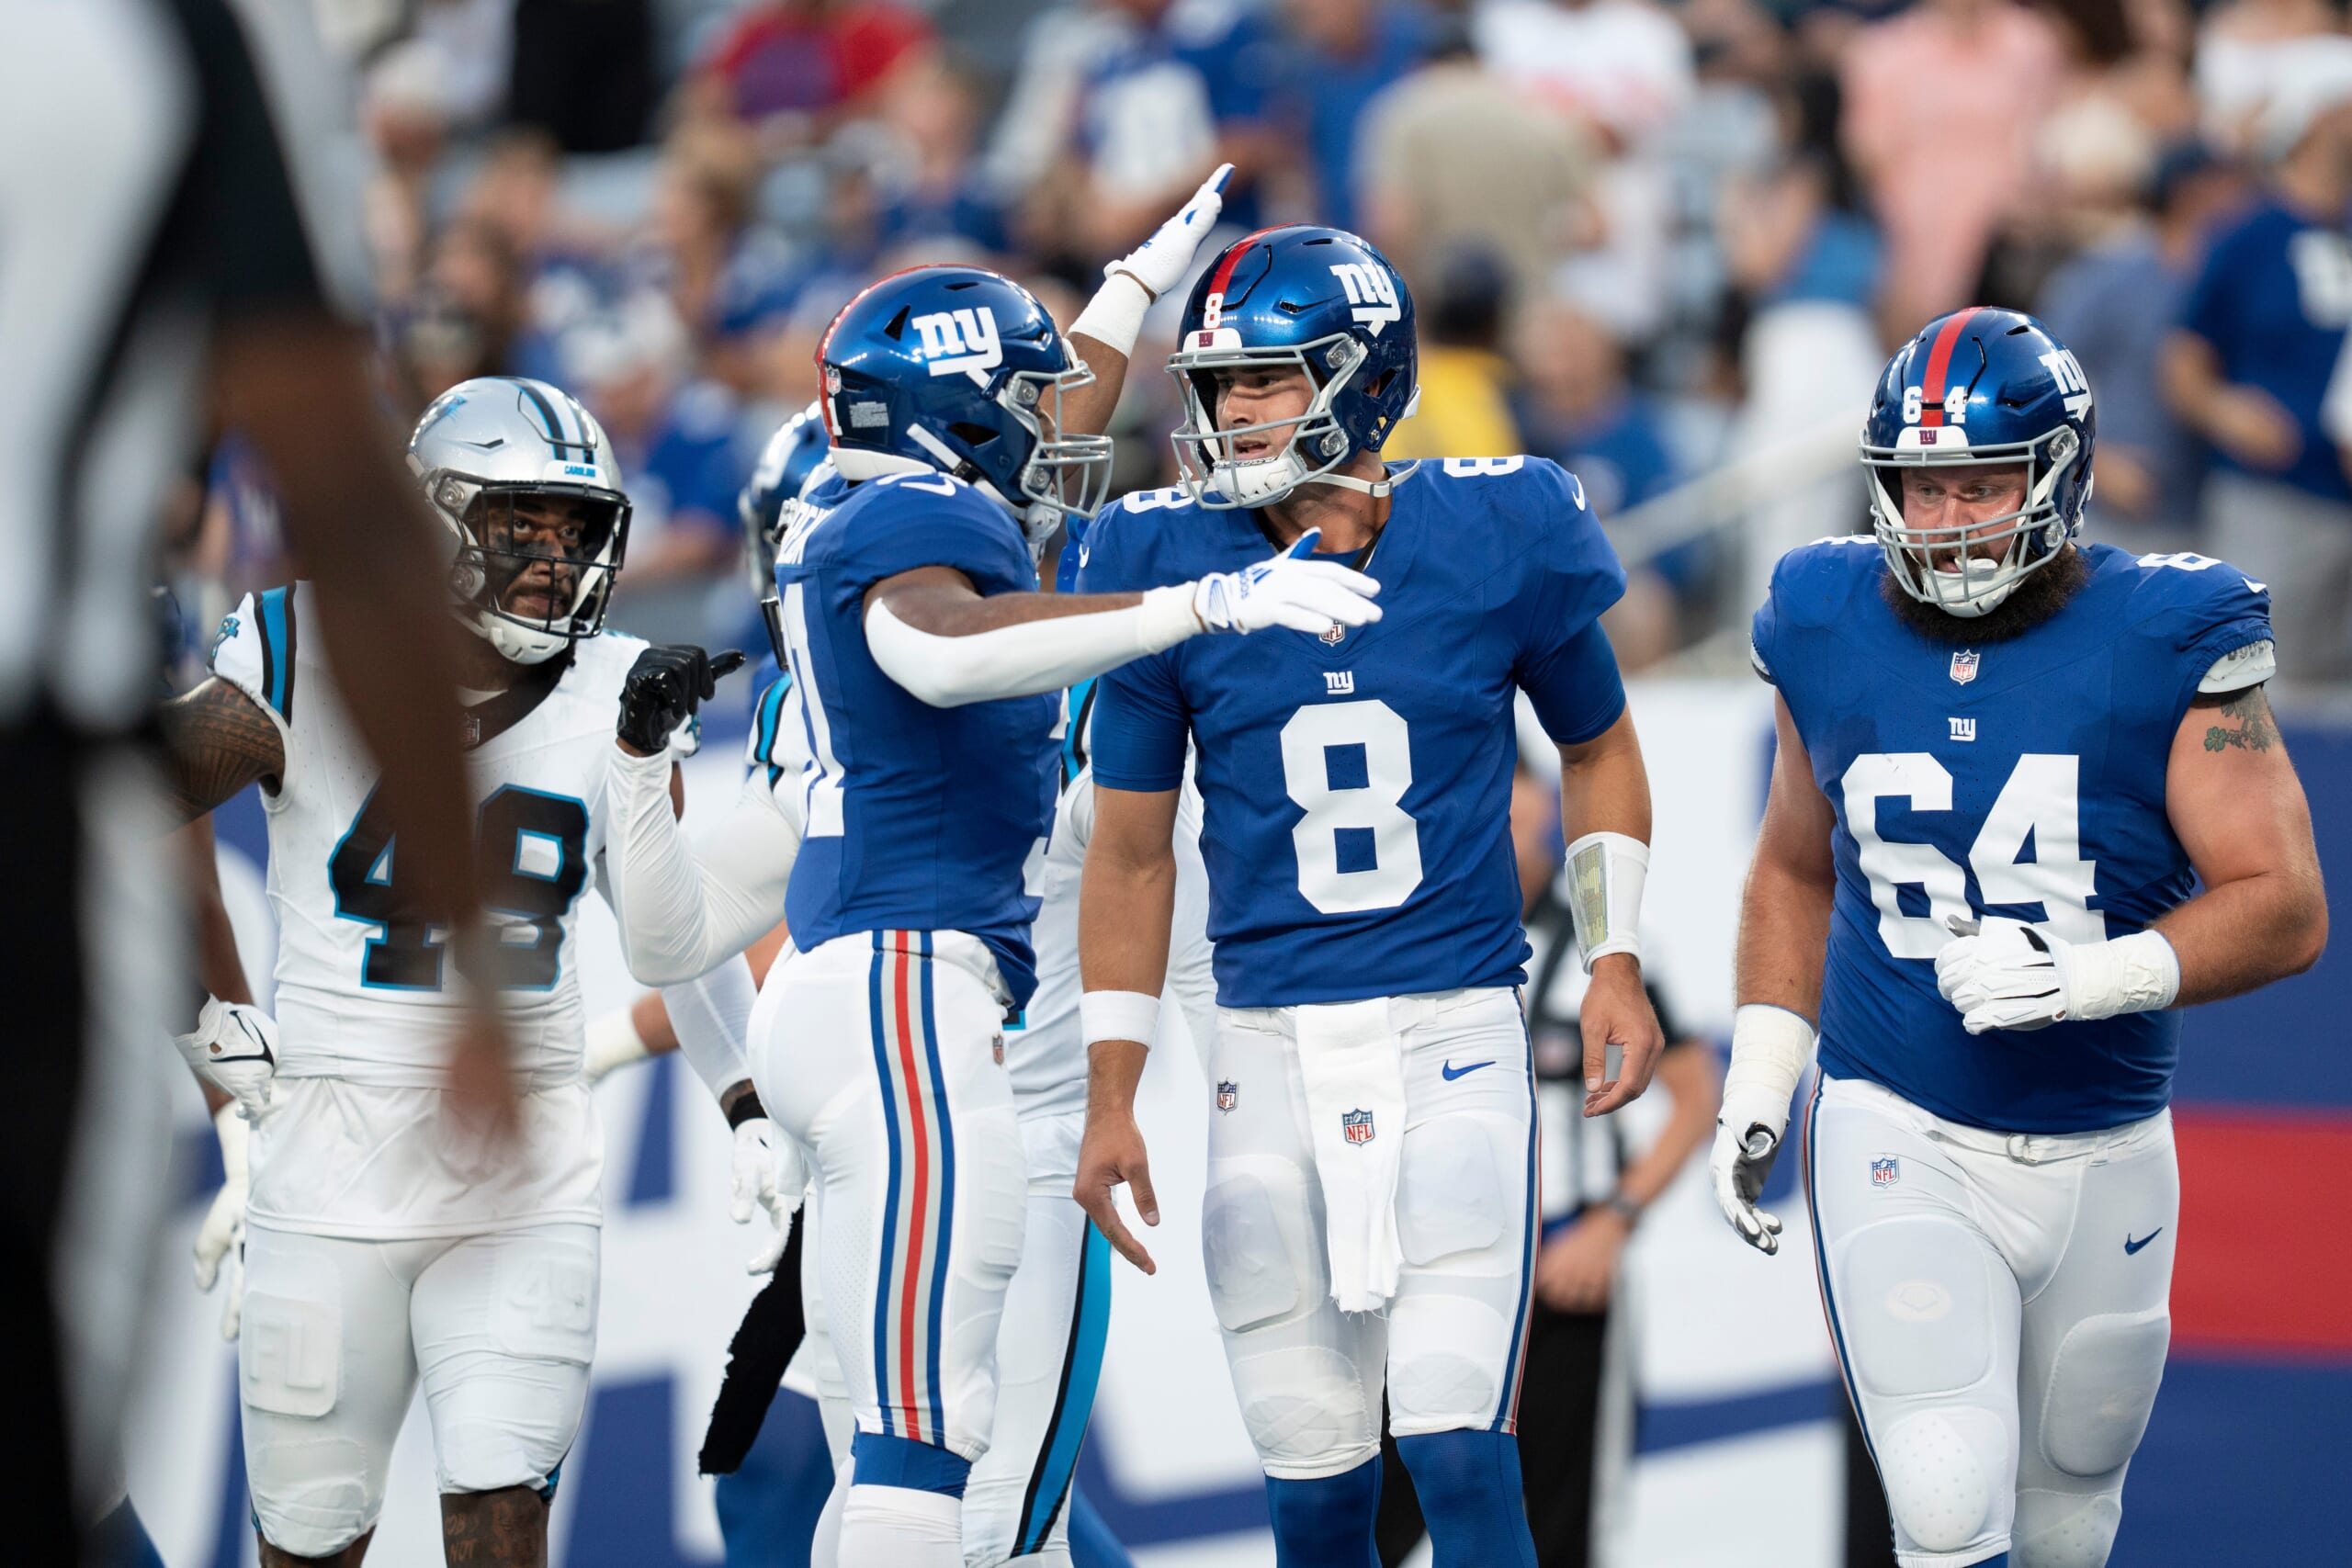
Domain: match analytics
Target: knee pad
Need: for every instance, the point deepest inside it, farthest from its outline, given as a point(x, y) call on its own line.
point(2102, 1386)
point(1446, 1355)
point(1305, 1410)
point(1915, 1308)
point(2058, 1529)
point(1450, 1192)
point(1256, 1244)
point(502, 1421)
point(1943, 1470)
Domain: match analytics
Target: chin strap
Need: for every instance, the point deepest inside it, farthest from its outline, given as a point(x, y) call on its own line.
point(1376, 488)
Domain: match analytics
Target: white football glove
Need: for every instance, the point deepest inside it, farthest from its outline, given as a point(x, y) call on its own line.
point(2004, 974)
point(769, 1176)
point(220, 1240)
point(1739, 1163)
point(1159, 263)
point(1288, 590)
point(234, 1048)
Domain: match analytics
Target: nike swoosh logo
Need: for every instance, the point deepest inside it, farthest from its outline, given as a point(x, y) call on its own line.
point(1452, 1072)
point(2130, 1246)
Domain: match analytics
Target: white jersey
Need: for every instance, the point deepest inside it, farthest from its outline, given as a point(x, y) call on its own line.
point(369, 998)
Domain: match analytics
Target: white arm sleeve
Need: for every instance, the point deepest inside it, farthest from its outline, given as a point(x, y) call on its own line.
point(1190, 975)
point(712, 1015)
point(684, 909)
point(1032, 657)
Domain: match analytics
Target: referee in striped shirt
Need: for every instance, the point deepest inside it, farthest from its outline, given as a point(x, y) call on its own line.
point(158, 277)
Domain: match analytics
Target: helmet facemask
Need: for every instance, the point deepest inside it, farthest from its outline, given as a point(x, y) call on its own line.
point(1065, 475)
point(536, 564)
point(2029, 537)
point(1206, 458)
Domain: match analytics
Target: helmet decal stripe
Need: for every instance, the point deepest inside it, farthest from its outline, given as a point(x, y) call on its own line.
point(1232, 258)
point(557, 435)
point(1931, 390)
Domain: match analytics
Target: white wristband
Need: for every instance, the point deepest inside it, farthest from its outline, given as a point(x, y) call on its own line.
point(2139, 973)
point(1605, 876)
point(1113, 318)
point(1770, 1048)
point(613, 1042)
point(1118, 1015)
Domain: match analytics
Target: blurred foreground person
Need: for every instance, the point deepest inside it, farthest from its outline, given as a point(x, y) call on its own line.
point(157, 256)
point(2005, 760)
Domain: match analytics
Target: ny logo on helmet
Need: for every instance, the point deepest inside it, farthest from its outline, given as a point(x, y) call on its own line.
point(1372, 293)
point(2073, 385)
point(962, 341)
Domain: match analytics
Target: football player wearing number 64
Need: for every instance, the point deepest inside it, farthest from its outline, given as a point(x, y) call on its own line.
point(1370, 1216)
point(2003, 756)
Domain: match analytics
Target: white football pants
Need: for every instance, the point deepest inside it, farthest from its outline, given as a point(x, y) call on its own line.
point(337, 1332)
point(1451, 1345)
point(1999, 1303)
point(879, 1053)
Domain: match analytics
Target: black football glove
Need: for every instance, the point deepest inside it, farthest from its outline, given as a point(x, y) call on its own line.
point(665, 687)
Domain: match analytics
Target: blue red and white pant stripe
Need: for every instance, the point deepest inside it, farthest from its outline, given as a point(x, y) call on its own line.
point(919, 1210)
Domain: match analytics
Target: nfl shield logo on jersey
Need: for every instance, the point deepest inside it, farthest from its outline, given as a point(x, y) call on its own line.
point(1963, 666)
point(1332, 633)
point(1886, 1172)
point(1356, 1126)
point(1229, 1094)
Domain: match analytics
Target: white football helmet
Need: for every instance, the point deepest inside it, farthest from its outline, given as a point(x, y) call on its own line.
point(489, 444)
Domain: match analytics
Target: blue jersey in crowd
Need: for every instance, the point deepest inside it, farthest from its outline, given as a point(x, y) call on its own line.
point(1358, 790)
point(2273, 299)
point(917, 818)
point(2023, 778)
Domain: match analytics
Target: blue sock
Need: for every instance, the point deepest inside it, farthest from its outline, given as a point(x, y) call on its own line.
point(902, 1461)
point(1999, 1561)
point(1469, 1487)
point(1328, 1523)
point(1091, 1544)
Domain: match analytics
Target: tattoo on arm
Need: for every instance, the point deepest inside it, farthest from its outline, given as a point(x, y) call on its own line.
point(215, 741)
point(2250, 725)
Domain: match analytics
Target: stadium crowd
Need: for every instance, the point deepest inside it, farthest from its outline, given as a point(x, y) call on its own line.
point(1650, 240)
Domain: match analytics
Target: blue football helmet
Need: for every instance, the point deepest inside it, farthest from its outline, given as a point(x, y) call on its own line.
point(790, 464)
point(1980, 387)
point(949, 369)
point(1318, 298)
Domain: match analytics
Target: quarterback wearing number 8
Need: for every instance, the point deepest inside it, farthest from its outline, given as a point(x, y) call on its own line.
point(1371, 1147)
point(2005, 758)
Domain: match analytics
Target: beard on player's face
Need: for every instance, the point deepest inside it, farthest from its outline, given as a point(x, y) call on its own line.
point(2039, 594)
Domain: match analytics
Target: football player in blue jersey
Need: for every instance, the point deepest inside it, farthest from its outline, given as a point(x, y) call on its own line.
point(1368, 1216)
point(921, 656)
point(2006, 761)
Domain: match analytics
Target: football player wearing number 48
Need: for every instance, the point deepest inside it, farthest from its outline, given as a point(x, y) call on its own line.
point(2003, 757)
point(386, 1242)
point(1370, 1216)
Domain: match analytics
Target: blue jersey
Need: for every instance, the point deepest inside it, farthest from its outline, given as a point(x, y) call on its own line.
point(2026, 778)
point(916, 818)
point(1357, 791)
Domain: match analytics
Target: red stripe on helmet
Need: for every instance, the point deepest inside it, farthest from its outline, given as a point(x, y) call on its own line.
point(1233, 254)
point(1931, 389)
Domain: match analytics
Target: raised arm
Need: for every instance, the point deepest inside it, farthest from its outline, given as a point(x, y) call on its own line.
point(1783, 947)
point(685, 906)
point(2238, 810)
point(1127, 901)
point(1605, 813)
point(1104, 335)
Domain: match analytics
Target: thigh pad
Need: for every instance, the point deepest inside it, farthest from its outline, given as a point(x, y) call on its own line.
point(1258, 1244)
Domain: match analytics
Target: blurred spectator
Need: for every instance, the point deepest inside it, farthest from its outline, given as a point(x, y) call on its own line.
point(1941, 106)
point(727, 278)
point(1577, 409)
point(467, 318)
point(1464, 409)
point(2243, 48)
point(935, 190)
point(1171, 90)
point(2112, 306)
point(795, 67)
point(584, 71)
point(2259, 336)
point(1339, 55)
point(1622, 68)
point(679, 441)
point(1453, 158)
point(1804, 267)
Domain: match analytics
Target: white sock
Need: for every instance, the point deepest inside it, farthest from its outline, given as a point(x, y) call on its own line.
point(903, 1528)
point(825, 1545)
